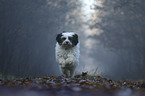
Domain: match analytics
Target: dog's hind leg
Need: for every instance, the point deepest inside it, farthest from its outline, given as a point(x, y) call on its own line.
point(72, 71)
point(65, 72)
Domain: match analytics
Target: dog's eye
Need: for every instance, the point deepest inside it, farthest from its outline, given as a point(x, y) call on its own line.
point(70, 38)
point(63, 38)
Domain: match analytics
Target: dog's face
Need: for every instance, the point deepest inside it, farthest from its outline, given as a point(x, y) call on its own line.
point(67, 39)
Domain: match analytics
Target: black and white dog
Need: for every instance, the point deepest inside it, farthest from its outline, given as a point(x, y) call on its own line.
point(67, 52)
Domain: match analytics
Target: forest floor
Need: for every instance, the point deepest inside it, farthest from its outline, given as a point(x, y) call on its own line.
point(80, 85)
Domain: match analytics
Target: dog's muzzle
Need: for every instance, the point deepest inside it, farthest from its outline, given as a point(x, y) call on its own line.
point(67, 44)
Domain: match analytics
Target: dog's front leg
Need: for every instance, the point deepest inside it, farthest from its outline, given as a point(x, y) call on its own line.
point(61, 62)
point(70, 60)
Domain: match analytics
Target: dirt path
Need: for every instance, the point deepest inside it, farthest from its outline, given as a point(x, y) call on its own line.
point(78, 86)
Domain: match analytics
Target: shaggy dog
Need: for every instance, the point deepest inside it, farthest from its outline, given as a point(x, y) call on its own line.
point(67, 52)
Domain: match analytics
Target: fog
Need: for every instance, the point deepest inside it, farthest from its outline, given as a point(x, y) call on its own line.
point(111, 35)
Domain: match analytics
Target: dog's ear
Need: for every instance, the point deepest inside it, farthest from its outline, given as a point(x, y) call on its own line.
point(58, 38)
point(75, 39)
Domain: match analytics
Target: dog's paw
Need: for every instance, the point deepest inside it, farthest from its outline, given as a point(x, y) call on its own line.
point(61, 61)
point(62, 65)
point(69, 60)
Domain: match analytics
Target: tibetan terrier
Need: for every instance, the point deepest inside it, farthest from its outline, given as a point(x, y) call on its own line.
point(67, 52)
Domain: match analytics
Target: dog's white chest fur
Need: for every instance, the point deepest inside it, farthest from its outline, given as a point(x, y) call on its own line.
point(68, 59)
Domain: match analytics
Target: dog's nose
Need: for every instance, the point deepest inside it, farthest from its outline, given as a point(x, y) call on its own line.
point(66, 42)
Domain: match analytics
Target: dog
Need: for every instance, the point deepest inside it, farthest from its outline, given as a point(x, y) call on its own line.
point(67, 52)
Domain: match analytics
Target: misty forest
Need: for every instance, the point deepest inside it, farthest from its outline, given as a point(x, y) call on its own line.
point(112, 47)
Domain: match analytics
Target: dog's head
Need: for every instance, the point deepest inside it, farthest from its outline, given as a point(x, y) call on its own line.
point(67, 39)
